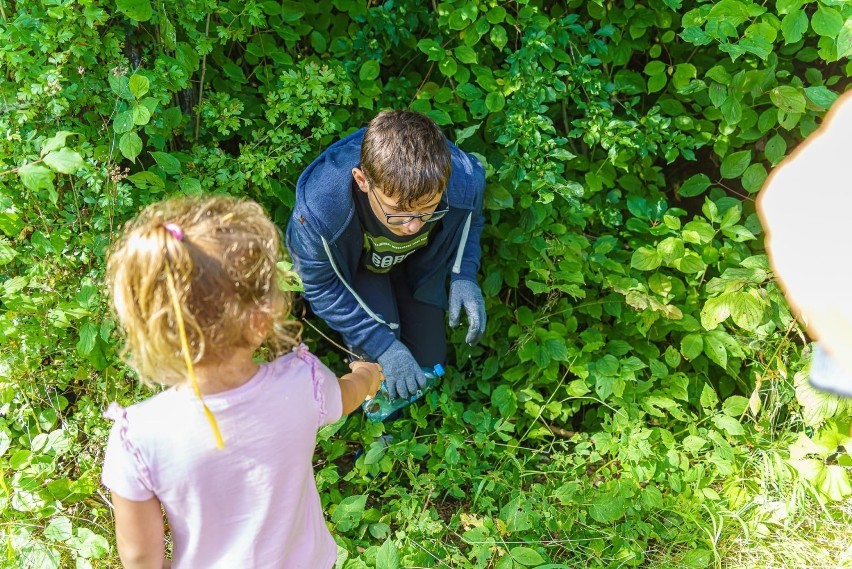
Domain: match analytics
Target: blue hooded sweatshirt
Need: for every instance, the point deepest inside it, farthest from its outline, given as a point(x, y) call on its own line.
point(325, 240)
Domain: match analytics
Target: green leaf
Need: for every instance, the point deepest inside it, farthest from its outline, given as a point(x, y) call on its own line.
point(146, 180)
point(90, 545)
point(694, 185)
point(735, 405)
point(11, 224)
point(498, 37)
point(123, 122)
point(6, 254)
point(64, 160)
point(139, 10)
point(138, 85)
point(746, 310)
point(55, 142)
point(88, 335)
point(432, 49)
point(645, 259)
point(36, 177)
point(843, 43)
point(827, 22)
point(465, 54)
point(130, 145)
point(794, 25)
point(788, 99)
point(716, 351)
point(526, 556)
point(59, 529)
point(821, 96)
point(728, 424)
point(348, 513)
point(369, 70)
point(655, 67)
point(776, 149)
point(448, 67)
point(670, 249)
point(715, 310)
point(141, 115)
point(387, 556)
point(753, 178)
point(708, 399)
point(495, 102)
point(167, 162)
point(691, 346)
point(735, 164)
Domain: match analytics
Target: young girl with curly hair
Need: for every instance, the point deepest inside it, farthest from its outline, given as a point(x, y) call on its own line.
point(226, 451)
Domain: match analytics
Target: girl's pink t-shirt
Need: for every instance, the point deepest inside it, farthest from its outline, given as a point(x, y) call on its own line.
point(253, 503)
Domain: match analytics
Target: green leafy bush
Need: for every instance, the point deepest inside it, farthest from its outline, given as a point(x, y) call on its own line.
point(638, 353)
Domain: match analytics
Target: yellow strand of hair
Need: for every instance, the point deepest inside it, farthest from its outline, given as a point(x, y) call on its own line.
point(184, 344)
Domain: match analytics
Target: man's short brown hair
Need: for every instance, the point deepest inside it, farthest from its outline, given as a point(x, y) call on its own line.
point(406, 155)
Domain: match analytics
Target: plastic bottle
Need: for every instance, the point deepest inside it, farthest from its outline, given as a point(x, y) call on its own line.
point(381, 406)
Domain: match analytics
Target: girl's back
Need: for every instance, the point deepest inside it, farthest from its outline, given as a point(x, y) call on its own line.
point(253, 503)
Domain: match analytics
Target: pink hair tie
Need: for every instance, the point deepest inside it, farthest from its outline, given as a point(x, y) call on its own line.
point(175, 230)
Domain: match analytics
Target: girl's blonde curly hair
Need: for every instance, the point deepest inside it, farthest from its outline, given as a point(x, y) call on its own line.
point(222, 253)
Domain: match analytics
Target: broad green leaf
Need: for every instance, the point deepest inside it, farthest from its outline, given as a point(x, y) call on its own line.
point(787, 98)
point(708, 399)
point(827, 22)
point(59, 529)
point(88, 334)
point(526, 556)
point(496, 15)
point(821, 96)
point(139, 10)
point(753, 177)
point(141, 115)
point(794, 25)
point(716, 351)
point(448, 66)
point(655, 67)
point(657, 82)
point(130, 145)
point(123, 122)
point(843, 43)
point(369, 70)
point(55, 142)
point(64, 160)
point(465, 54)
point(348, 513)
point(167, 162)
point(692, 443)
point(776, 149)
point(147, 180)
point(6, 254)
point(138, 85)
point(606, 509)
point(728, 424)
point(498, 37)
point(36, 177)
point(432, 49)
point(691, 346)
point(735, 164)
point(645, 259)
point(495, 102)
point(89, 545)
point(11, 224)
point(387, 556)
point(735, 405)
point(670, 249)
point(715, 310)
point(746, 310)
point(694, 185)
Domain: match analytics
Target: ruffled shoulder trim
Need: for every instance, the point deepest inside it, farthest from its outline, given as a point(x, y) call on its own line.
point(118, 414)
point(316, 379)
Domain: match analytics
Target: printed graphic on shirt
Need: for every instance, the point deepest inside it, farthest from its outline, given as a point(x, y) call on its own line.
point(381, 254)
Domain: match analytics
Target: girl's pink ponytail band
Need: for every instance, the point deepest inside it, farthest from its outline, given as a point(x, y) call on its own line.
point(175, 230)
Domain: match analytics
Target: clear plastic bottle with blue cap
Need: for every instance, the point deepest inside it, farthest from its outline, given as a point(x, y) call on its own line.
point(382, 406)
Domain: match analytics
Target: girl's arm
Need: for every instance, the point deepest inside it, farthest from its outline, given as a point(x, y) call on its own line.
point(364, 381)
point(140, 533)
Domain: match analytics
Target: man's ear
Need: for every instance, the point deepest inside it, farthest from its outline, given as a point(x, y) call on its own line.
point(360, 179)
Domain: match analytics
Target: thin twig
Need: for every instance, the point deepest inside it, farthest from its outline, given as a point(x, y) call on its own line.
point(201, 86)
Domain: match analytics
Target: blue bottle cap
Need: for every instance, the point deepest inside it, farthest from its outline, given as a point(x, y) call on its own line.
point(439, 370)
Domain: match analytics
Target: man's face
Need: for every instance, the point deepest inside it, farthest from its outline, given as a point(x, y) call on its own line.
point(384, 206)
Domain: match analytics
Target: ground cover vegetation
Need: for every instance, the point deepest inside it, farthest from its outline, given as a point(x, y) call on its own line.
point(639, 397)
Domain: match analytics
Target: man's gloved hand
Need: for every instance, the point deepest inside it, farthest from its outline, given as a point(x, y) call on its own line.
point(466, 293)
point(403, 376)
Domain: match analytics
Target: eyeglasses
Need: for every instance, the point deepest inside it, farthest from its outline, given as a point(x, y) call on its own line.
point(403, 218)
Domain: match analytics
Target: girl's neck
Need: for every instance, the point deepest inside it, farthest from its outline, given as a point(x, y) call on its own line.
point(224, 375)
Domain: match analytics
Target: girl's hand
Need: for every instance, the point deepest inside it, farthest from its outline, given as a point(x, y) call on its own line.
point(371, 371)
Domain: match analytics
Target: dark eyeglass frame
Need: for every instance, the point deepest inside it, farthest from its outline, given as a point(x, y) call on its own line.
point(404, 218)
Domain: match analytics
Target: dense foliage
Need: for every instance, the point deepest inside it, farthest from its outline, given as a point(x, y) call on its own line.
point(639, 370)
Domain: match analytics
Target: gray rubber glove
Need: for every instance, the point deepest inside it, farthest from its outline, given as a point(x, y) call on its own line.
point(466, 294)
point(403, 376)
